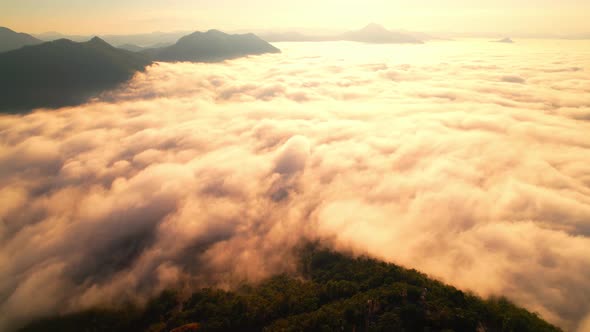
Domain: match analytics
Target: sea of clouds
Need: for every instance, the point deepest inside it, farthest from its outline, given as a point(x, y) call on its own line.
point(469, 161)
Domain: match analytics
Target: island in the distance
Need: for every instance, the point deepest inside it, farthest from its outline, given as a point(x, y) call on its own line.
point(65, 73)
point(377, 34)
point(211, 46)
point(506, 40)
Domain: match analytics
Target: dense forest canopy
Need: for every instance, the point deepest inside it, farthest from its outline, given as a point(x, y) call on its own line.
point(334, 292)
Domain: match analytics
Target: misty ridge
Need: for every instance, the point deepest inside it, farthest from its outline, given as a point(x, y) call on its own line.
point(335, 292)
point(65, 73)
point(209, 181)
point(372, 34)
point(143, 40)
point(11, 40)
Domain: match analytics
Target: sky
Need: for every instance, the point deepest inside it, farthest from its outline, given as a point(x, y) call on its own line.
point(525, 17)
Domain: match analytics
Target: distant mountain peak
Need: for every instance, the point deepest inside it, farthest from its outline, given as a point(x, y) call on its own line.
point(12, 40)
point(210, 32)
point(376, 33)
point(211, 46)
point(374, 27)
point(62, 41)
point(214, 31)
point(98, 40)
point(506, 40)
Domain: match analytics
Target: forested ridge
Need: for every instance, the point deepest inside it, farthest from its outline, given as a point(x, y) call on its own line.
point(335, 292)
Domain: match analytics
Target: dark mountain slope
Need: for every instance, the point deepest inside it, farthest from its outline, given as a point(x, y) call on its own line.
point(10, 40)
point(62, 73)
point(334, 293)
point(212, 46)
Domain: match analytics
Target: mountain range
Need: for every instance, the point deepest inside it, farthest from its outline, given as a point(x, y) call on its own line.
point(131, 47)
point(377, 34)
point(143, 39)
point(372, 33)
point(506, 40)
point(11, 40)
point(211, 46)
point(62, 73)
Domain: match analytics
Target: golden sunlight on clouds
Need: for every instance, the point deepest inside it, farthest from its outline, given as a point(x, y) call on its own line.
point(461, 159)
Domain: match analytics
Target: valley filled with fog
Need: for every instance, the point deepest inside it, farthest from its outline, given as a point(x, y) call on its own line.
point(467, 160)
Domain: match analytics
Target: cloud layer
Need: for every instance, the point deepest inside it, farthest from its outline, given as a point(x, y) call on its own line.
point(467, 160)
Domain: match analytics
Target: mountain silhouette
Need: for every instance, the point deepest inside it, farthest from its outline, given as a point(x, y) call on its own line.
point(211, 46)
point(372, 33)
point(63, 73)
point(504, 40)
point(377, 34)
point(10, 40)
point(54, 35)
point(143, 39)
point(131, 47)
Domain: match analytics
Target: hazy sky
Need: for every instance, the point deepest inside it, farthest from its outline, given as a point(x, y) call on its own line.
point(131, 16)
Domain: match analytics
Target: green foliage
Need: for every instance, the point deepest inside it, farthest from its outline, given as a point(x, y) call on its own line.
point(336, 293)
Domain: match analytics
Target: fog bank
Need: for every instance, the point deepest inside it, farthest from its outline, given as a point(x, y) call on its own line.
point(466, 160)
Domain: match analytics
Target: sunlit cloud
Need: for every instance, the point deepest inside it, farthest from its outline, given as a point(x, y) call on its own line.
point(472, 169)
